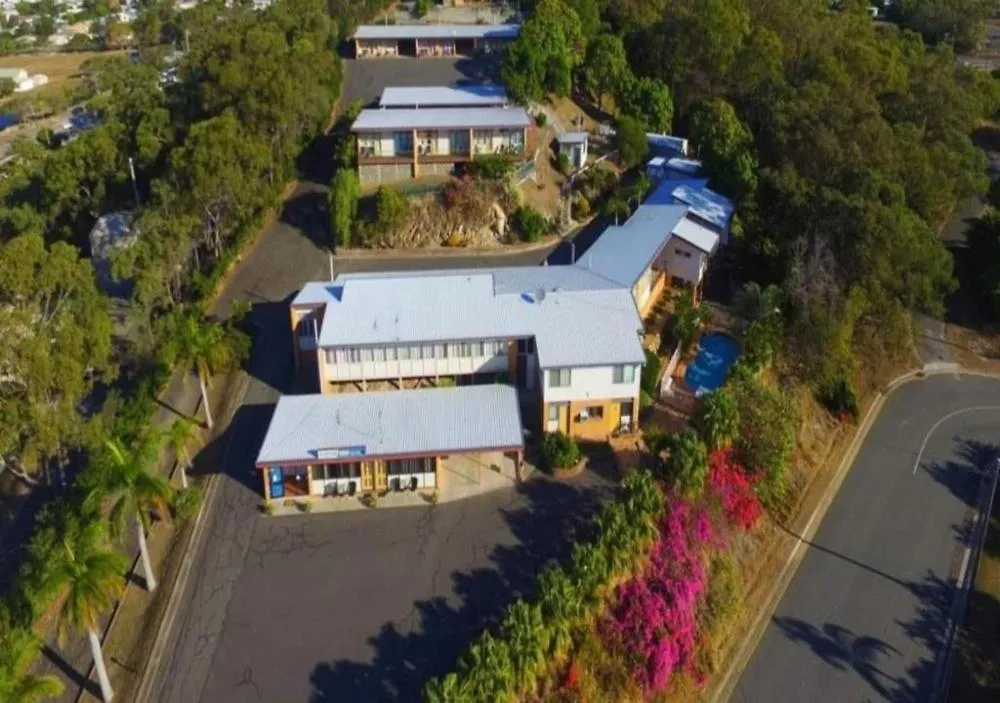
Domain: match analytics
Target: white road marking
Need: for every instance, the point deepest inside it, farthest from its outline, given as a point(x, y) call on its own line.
point(954, 413)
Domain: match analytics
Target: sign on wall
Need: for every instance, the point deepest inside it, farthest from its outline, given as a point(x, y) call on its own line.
point(341, 452)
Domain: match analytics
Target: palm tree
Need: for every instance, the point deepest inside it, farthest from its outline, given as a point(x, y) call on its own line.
point(208, 347)
point(18, 649)
point(91, 576)
point(180, 436)
point(124, 476)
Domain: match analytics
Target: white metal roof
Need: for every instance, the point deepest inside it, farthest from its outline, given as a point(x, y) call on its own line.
point(572, 138)
point(705, 203)
point(375, 120)
point(312, 428)
point(438, 31)
point(576, 317)
point(445, 96)
point(697, 235)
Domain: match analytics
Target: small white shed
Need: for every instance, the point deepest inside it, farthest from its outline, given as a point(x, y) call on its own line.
point(574, 146)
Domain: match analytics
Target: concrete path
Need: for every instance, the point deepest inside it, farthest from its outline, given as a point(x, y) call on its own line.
point(864, 617)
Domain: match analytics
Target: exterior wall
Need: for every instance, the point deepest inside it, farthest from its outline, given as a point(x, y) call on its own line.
point(643, 288)
point(495, 141)
point(590, 383)
point(374, 174)
point(412, 368)
point(435, 47)
point(304, 337)
point(441, 168)
point(655, 291)
point(570, 420)
point(685, 261)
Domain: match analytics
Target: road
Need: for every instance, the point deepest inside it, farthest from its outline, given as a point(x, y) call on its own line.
point(864, 617)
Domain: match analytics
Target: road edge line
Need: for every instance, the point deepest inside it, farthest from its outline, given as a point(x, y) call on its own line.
point(723, 690)
point(150, 672)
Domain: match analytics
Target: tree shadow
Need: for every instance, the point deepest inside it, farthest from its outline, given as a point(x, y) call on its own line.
point(234, 452)
point(961, 476)
point(842, 649)
point(305, 211)
point(550, 517)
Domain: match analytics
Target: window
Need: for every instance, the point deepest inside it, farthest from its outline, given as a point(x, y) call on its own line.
point(366, 354)
point(595, 412)
point(623, 374)
point(478, 349)
point(319, 473)
point(526, 346)
point(553, 413)
point(379, 353)
point(353, 355)
point(465, 350)
point(440, 351)
point(559, 378)
point(390, 353)
point(428, 351)
point(404, 353)
point(681, 252)
point(331, 357)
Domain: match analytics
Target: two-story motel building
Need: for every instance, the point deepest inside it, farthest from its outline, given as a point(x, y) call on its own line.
point(564, 341)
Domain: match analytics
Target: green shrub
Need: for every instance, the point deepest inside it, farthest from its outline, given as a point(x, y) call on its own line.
point(391, 208)
point(581, 208)
point(490, 167)
point(650, 373)
point(717, 419)
point(529, 224)
point(186, 502)
point(839, 398)
point(541, 119)
point(768, 423)
point(686, 465)
point(563, 164)
point(559, 451)
point(421, 8)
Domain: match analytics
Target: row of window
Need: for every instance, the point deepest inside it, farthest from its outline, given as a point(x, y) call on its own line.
point(353, 470)
point(461, 350)
point(563, 378)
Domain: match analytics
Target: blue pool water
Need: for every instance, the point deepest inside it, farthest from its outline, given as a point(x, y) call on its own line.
point(716, 353)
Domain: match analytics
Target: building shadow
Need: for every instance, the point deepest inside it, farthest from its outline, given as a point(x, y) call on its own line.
point(550, 517)
point(234, 452)
point(272, 359)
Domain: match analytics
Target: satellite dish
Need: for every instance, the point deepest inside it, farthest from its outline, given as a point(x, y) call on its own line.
point(540, 295)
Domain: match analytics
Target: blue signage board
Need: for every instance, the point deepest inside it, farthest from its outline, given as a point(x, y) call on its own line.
point(341, 452)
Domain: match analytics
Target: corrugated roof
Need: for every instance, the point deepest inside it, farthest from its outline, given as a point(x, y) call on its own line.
point(440, 118)
point(667, 144)
point(710, 206)
point(438, 31)
point(393, 423)
point(691, 167)
point(697, 235)
point(621, 254)
point(438, 96)
point(576, 317)
point(572, 137)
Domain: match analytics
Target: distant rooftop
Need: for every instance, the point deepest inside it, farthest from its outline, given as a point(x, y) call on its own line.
point(667, 145)
point(438, 31)
point(398, 423)
point(374, 120)
point(445, 96)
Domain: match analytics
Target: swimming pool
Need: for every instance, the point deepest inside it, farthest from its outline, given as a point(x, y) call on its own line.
point(716, 354)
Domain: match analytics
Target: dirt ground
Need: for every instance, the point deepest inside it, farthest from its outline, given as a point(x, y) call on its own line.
point(63, 69)
point(976, 350)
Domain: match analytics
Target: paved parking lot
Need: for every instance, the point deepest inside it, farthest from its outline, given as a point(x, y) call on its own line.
point(365, 606)
point(365, 79)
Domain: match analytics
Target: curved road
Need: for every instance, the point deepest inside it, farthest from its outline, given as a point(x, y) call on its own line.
point(865, 616)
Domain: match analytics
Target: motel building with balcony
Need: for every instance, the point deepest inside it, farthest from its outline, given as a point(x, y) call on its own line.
point(398, 143)
point(405, 360)
point(431, 40)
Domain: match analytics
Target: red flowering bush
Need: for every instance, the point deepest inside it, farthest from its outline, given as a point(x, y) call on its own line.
point(654, 618)
point(729, 485)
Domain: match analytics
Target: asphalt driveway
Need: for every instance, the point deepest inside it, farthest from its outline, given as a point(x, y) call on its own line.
point(865, 617)
point(365, 79)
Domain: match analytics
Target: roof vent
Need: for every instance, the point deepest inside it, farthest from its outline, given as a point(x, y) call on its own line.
point(540, 295)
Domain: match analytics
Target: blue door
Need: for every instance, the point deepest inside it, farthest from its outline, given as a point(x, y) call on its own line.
point(276, 479)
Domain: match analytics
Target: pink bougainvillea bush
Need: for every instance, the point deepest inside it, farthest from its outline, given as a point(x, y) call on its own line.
point(729, 486)
point(653, 621)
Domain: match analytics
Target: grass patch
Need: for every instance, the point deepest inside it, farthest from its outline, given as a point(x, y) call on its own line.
point(977, 648)
point(63, 69)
